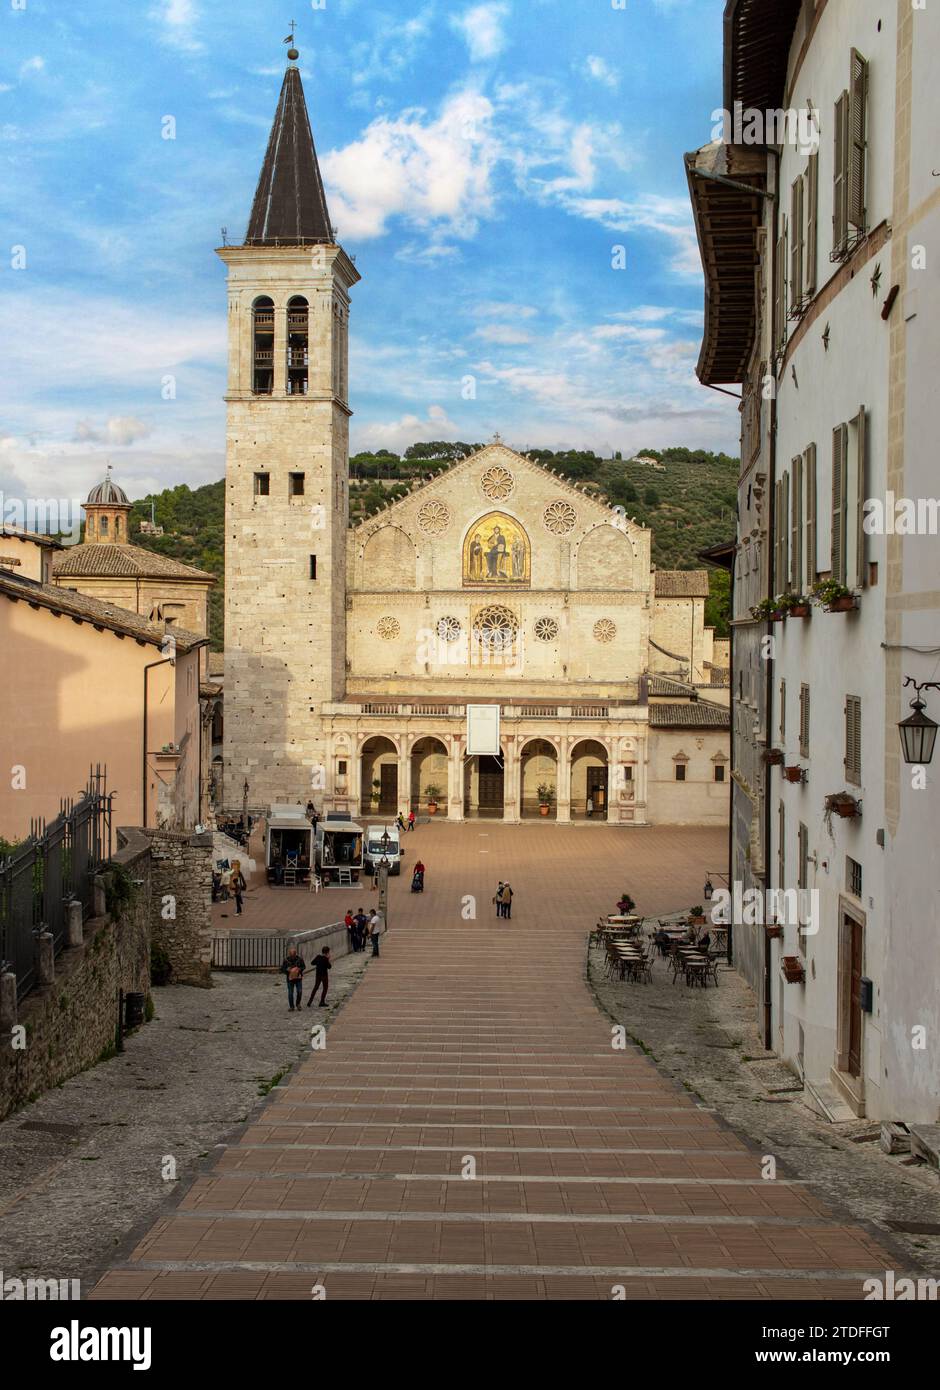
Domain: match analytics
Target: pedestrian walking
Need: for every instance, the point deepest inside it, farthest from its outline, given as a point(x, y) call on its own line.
point(401, 820)
point(498, 898)
point(507, 900)
point(322, 965)
point(376, 928)
point(590, 806)
point(238, 886)
point(293, 967)
point(411, 820)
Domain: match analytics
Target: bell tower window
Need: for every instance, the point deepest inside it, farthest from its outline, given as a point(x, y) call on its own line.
point(298, 322)
point(262, 366)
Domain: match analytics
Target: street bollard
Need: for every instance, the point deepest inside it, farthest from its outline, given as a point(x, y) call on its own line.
point(75, 931)
point(45, 958)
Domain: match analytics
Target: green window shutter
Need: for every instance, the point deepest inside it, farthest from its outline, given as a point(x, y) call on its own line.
point(796, 525)
point(809, 484)
point(861, 424)
point(782, 845)
point(804, 721)
point(856, 140)
point(840, 222)
point(840, 440)
point(796, 243)
point(853, 740)
point(812, 219)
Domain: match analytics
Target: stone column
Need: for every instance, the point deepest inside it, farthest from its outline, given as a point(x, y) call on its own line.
point(75, 932)
point(642, 777)
point(455, 781)
point(511, 780)
point(405, 744)
point(280, 350)
point(563, 794)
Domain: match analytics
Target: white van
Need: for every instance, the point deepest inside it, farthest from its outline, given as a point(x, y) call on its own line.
point(374, 848)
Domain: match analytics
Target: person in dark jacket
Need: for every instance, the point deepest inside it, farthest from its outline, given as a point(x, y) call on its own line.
point(293, 967)
point(322, 966)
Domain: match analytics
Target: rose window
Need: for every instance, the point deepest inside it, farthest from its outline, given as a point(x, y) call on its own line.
point(448, 629)
point(605, 630)
point(546, 629)
point(433, 517)
point(495, 628)
point(497, 483)
point(560, 518)
point(388, 628)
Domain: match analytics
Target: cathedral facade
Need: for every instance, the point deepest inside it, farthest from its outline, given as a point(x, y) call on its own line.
point(353, 653)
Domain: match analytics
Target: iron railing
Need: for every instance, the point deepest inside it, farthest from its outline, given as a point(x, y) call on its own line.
point(54, 866)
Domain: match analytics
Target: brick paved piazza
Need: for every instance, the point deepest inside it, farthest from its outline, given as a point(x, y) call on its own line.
point(470, 1132)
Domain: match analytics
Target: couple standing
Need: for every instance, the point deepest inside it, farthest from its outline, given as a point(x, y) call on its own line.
point(503, 900)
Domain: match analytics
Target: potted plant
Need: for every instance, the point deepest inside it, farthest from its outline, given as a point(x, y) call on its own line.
point(793, 970)
point(773, 757)
point(626, 903)
point(432, 793)
point(844, 805)
point(794, 605)
point(774, 930)
point(697, 915)
point(546, 796)
point(793, 773)
point(767, 610)
point(834, 597)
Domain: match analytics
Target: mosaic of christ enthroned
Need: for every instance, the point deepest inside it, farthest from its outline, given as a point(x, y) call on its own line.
point(496, 553)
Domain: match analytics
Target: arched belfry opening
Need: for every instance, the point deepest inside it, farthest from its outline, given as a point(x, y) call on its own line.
point(263, 346)
point(298, 342)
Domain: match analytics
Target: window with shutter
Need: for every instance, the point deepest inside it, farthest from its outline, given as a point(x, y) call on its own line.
point(796, 525)
point(840, 440)
point(840, 221)
point(853, 740)
point(796, 245)
point(783, 710)
point(804, 721)
point(856, 143)
point(780, 290)
point(781, 845)
point(812, 219)
point(809, 486)
point(861, 483)
point(803, 841)
point(785, 536)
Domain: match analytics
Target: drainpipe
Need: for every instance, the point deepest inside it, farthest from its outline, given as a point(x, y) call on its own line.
point(769, 693)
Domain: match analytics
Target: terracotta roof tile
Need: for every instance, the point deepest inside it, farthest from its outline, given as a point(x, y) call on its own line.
point(127, 561)
point(92, 610)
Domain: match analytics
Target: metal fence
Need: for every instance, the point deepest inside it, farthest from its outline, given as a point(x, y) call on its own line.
point(54, 866)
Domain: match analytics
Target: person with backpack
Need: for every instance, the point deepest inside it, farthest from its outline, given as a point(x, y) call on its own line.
point(293, 967)
point(322, 966)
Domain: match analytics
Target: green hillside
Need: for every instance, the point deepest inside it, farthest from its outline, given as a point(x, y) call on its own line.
point(688, 503)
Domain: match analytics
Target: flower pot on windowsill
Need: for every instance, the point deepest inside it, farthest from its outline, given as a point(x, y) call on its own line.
point(432, 808)
point(834, 597)
point(799, 610)
point(543, 808)
point(794, 773)
point(773, 757)
point(774, 931)
point(793, 970)
point(842, 605)
point(844, 805)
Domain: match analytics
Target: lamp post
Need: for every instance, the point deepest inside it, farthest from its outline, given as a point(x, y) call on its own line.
point(918, 731)
point(383, 878)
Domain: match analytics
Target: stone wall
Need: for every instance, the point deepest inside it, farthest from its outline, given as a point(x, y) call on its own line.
point(65, 1026)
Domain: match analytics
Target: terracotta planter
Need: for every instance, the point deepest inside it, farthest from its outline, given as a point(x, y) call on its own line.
point(776, 617)
point(697, 921)
point(844, 806)
point(774, 932)
point(793, 774)
point(801, 610)
point(841, 605)
point(773, 757)
point(432, 808)
point(543, 809)
point(793, 971)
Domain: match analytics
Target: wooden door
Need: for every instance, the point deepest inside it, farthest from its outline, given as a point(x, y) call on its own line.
point(855, 997)
point(388, 793)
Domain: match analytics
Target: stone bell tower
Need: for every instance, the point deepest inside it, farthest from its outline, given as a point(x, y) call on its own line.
point(287, 464)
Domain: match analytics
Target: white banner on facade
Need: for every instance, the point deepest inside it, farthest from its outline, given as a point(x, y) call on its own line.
point(483, 731)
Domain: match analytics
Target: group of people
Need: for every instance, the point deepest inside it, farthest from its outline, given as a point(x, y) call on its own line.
point(404, 825)
point(363, 927)
point(228, 881)
point(294, 967)
point(503, 899)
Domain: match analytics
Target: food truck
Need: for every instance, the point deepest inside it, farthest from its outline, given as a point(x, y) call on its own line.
point(339, 850)
point(289, 848)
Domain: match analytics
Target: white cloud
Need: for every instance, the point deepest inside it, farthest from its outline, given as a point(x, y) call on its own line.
point(177, 20)
point(503, 333)
point(119, 430)
point(600, 71)
point(32, 65)
point(433, 173)
point(407, 429)
point(495, 308)
point(482, 30)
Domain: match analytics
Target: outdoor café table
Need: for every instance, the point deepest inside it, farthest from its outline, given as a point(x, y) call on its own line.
point(697, 969)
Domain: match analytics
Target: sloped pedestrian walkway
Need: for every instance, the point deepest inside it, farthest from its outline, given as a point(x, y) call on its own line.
point(471, 1131)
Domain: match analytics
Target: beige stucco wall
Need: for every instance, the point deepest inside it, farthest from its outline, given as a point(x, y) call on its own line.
point(35, 561)
point(699, 800)
point(186, 602)
point(73, 696)
point(679, 627)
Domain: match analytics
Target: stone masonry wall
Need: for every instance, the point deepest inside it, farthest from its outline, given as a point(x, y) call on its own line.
point(181, 895)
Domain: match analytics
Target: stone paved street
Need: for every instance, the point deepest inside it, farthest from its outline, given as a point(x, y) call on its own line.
point(470, 1131)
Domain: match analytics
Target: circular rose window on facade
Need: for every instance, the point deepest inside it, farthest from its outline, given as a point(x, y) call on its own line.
point(495, 628)
point(387, 628)
point(546, 629)
point(605, 630)
point(560, 517)
point(448, 629)
point(497, 483)
point(433, 517)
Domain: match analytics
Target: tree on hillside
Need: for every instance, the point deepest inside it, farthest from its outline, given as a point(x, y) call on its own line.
point(651, 498)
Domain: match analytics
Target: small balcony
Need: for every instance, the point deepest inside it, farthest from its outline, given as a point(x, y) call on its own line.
point(264, 318)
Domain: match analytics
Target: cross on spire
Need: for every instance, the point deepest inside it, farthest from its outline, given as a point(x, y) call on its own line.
point(497, 438)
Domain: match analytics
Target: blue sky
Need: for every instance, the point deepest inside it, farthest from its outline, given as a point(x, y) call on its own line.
point(481, 161)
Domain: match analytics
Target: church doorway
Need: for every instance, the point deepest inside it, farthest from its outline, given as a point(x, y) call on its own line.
point(483, 787)
point(589, 781)
point(538, 780)
point(379, 789)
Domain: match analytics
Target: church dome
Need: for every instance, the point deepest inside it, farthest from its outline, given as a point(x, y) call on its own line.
point(107, 494)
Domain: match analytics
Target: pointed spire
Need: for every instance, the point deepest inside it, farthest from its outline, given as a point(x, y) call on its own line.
point(290, 204)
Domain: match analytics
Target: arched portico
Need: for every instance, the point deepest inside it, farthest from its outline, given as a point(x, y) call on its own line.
point(589, 780)
point(538, 779)
point(379, 776)
point(429, 775)
point(484, 787)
